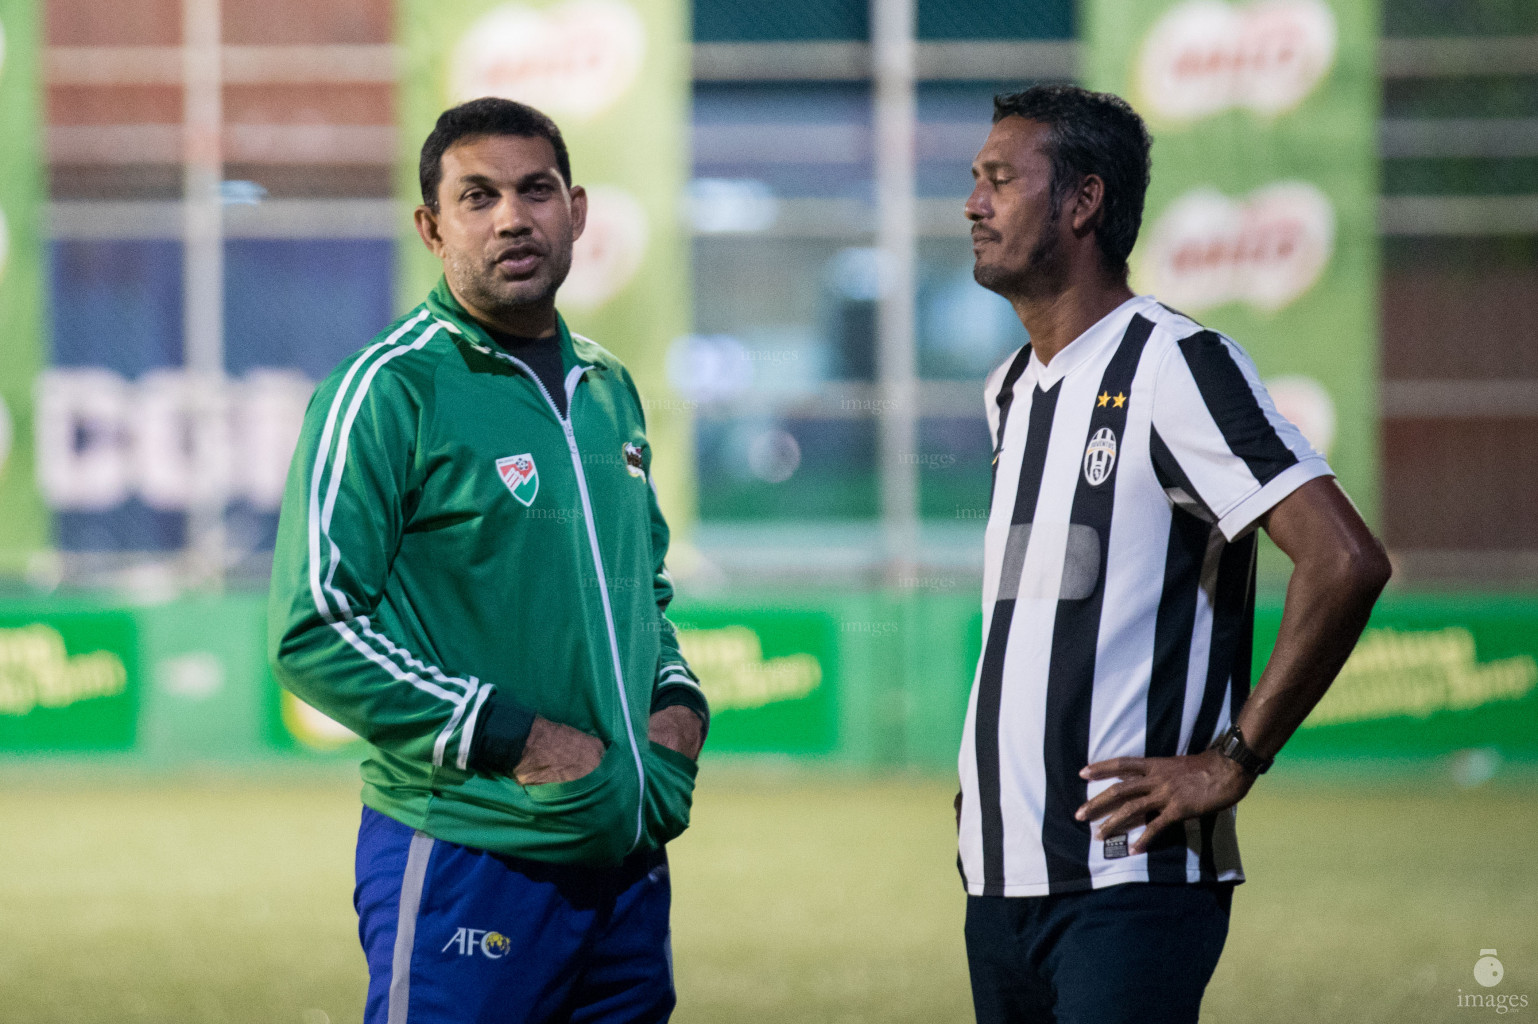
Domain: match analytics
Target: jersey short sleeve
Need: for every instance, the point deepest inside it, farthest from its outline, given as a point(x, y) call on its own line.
point(1219, 447)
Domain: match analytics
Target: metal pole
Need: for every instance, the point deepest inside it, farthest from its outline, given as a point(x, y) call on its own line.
point(203, 269)
point(893, 57)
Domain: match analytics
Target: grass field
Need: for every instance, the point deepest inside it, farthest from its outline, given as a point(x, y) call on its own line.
point(795, 901)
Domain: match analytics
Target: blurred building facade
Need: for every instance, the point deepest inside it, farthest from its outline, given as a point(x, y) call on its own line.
point(782, 361)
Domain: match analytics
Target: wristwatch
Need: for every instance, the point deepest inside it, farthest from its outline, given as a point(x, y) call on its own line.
point(1232, 746)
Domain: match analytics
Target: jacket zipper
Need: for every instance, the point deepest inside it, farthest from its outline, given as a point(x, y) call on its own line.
point(603, 585)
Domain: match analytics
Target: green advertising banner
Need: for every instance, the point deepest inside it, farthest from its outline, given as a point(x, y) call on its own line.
point(1431, 676)
point(23, 519)
point(68, 680)
point(1261, 217)
point(769, 675)
point(864, 679)
point(206, 683)
point(614, 75)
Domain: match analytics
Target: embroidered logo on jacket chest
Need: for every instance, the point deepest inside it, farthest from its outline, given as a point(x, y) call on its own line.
point(520, 475)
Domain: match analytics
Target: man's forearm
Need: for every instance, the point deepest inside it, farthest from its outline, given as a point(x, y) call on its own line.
point(1327, 607)
point(1339, 570)
point(678, 727)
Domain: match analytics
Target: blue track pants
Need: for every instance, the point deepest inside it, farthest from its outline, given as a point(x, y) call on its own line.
point(455, 934)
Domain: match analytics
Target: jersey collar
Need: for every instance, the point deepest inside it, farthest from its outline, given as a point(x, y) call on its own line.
point(575, 350)
point(1081, 350)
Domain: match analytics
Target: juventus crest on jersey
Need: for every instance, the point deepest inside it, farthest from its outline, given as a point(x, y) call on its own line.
point(1118, 591)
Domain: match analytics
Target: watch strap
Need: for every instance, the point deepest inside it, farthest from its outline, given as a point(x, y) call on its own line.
point(1232, 746)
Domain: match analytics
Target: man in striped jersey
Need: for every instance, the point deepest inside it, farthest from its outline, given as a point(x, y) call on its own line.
point(469, 574)
point(1111, 727)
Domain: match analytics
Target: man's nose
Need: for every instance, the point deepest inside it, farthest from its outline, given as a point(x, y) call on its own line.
point(975, 209)
point(510, 216)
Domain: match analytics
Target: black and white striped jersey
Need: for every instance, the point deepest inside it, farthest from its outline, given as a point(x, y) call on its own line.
point(1118, 591)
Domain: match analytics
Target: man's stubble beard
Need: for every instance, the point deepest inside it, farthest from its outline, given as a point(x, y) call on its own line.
point(1045, 273)
point(478, 284)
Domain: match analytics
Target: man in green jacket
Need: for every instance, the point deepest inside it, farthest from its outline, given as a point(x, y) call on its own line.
point(470, 575)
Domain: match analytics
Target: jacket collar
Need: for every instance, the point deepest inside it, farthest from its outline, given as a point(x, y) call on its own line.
point(575, 349)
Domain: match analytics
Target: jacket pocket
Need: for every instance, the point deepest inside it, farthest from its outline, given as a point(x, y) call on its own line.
point(591, 820)
point(561, 794)
point(669, 794)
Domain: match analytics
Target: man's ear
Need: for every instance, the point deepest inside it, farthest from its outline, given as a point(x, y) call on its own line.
point(1088, 204)
point(578, 211)
point(427, 227)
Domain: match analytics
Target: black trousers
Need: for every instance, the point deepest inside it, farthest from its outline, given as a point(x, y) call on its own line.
point(1137, 953)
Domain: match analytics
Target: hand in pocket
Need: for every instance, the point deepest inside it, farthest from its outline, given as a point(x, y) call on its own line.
point(557, 753)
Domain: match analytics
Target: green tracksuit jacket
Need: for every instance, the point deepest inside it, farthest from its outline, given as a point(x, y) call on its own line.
point(446, 533)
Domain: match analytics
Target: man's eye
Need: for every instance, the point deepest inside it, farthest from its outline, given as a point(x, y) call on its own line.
point(539, 191)
point(475, 196)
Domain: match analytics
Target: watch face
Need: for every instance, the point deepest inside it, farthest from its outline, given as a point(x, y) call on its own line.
point(1488, 971)
point(1234, 749)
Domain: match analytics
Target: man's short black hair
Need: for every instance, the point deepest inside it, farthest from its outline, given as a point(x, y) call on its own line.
point(1091, 133)
point(488, 115)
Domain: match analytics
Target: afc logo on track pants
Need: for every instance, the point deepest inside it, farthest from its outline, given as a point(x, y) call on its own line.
point(455, 935)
